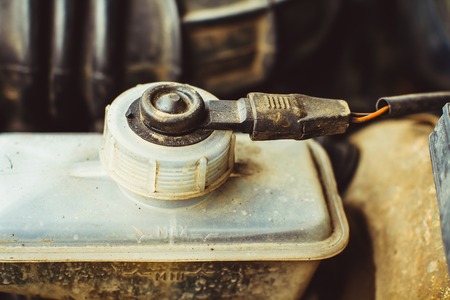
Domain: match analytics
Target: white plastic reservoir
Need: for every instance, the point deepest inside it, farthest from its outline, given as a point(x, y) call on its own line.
point(68, 230)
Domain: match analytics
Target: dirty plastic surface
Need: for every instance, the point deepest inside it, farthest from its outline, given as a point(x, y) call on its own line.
point(163, 172)
point(57, 203)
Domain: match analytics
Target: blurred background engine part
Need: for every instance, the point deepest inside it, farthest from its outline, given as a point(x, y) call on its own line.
point(440, 157)
point(23, 68)
point(61, 62)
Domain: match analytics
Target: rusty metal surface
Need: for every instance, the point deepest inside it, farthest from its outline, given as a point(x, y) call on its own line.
point(393, 192)
point(154, 137)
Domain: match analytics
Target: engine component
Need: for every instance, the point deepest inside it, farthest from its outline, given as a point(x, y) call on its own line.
point(164, 141)
point(399, 106)
point(141, 159)
point(440, 158)
point(61, 72)
point(279, 116)
point(60, 212)
point(229, 47)
point(67, 101)
point(23, 64)
point(413, 103)
point(273, 220)
point(393, 201)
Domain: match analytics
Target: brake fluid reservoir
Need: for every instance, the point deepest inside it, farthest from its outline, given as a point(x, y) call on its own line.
point(157, 215)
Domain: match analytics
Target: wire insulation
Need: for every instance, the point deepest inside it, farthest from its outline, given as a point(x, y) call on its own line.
point(356, 117)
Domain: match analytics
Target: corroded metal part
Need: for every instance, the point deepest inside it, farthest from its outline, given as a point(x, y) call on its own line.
point(158, 112)
point(152, 136)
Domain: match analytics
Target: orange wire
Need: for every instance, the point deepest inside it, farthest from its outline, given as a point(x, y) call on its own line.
point(371, 116)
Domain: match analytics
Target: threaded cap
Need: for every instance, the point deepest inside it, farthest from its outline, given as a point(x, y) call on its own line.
point(157, 171)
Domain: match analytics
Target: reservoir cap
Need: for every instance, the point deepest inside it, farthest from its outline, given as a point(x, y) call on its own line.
point(150, 149)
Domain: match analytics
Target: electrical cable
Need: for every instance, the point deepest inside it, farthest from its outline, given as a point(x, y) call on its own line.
point(365, 117)
point(397, 106)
